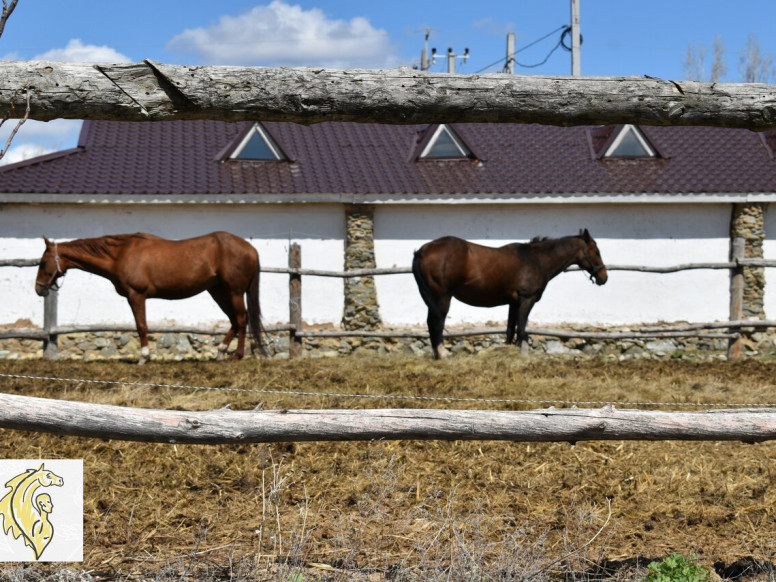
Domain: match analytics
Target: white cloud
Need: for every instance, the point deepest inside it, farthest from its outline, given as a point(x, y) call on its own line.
point(37, 138)
point(23, 152)
point(78, 52)
point(281, 34)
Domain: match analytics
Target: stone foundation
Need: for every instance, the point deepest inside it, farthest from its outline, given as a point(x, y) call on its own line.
point(193, 347)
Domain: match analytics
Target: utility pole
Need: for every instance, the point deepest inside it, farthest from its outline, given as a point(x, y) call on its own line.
point(451, 56)
point(576, 65)
point(510, 63)
point(424, 62)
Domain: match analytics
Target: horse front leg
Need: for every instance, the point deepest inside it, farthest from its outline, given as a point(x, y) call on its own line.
point(137, 303)
point(524, 306)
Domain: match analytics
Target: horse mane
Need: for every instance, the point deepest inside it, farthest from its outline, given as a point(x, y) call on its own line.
point(104, 246)
point(541, 239)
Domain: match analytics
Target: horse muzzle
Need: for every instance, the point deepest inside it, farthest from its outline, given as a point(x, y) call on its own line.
point(601, 277)
point(41, 290)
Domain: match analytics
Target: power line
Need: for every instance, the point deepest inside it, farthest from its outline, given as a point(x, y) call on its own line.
point(529, 45)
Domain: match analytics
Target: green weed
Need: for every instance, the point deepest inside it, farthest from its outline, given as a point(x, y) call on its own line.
point(676, 568)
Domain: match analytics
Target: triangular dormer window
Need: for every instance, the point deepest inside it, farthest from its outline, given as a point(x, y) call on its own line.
point(257, 144)
point(630, 143)
point(445, 144)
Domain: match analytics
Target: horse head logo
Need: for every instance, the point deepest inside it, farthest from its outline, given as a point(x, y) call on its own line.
point(25, 513)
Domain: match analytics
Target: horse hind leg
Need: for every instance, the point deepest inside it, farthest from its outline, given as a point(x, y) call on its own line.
point(438, 305)
point(224, 300)
point(240, 323)
point(523, 309)
point(436, 326)
point(511, 323)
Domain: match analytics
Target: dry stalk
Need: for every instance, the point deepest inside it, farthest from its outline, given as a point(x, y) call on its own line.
point(576, 550)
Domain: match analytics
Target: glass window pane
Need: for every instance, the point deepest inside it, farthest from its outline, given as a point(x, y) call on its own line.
point(256, 149)
point(630, 147)
point(445, 147)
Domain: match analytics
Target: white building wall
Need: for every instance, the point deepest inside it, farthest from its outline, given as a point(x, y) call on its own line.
point(88, 299)
point(647, 234)
point(769, 252)
point(650, 234)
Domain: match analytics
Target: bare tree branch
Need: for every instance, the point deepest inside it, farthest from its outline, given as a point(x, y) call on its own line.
point(754, 64)
point(19, 123)
point(8, 9)
point(718, 66)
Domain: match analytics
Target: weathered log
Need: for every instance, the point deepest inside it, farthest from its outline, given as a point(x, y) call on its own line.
point(154, 91)
point(19, 262)
point(42, 334)
point(228, 426)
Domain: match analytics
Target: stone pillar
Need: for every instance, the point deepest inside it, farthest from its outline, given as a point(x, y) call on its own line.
point(361, 309)
point(747, 222)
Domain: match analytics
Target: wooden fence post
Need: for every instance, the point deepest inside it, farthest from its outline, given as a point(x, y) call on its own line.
point(295, 346)
point(736, 297)
point(51, 344)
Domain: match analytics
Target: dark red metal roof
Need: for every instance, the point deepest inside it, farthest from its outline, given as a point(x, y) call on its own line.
point(187, 157)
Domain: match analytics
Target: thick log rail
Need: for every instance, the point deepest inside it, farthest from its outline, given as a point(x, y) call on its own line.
point(227, 426)
point(148, 91)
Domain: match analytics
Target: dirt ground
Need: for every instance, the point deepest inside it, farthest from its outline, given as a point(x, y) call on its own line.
point(408, 510)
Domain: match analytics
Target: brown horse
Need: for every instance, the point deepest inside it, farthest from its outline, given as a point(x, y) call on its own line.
point(515, 275)
point(142, 266)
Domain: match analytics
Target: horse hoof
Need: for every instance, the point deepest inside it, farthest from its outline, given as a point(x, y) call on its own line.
point(141, 361)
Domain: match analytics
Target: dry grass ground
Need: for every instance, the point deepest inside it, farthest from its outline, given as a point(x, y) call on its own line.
point(409, 510)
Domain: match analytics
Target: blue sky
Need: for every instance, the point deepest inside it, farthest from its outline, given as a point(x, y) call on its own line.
point(619, 37)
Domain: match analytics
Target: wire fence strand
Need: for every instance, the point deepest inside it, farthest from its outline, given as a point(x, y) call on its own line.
point(405, 397)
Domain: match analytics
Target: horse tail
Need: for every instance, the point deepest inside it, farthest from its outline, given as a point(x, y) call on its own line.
point(254, 312)
point(420, 279)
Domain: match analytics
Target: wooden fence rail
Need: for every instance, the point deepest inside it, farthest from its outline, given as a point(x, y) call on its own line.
point(262, 426)
point(730, 330)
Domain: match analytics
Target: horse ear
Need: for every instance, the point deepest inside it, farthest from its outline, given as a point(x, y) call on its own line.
point(585, 235)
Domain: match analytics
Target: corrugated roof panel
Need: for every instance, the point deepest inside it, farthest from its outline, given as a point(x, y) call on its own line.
point(181, 157)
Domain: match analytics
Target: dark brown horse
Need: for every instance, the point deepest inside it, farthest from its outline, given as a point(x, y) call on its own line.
point(143, 266)
point(515, 275)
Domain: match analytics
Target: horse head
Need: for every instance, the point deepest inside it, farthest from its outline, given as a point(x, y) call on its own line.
point(591, 260)
point(50, 269)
